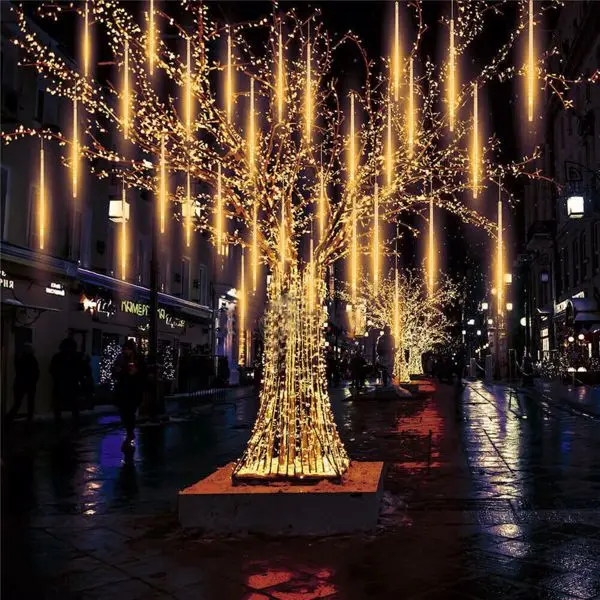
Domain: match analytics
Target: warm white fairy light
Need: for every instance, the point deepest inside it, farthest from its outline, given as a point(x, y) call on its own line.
point(375, 247)
point(322, 204)
point(163, 189)
point(219, 212)
point(389, 148)
point(431, 245)
point(354, 216)
point(411, 108)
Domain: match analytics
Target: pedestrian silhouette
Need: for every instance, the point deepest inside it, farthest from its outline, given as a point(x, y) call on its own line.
point(27, 373)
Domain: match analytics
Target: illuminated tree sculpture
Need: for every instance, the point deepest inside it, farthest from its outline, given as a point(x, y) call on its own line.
point(291, 160)
point(417, 319)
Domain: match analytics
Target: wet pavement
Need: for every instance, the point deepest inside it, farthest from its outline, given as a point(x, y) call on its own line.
point(497, 496)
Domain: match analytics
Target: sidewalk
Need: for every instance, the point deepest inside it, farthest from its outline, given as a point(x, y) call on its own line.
point(106, 417)
point(585, 398)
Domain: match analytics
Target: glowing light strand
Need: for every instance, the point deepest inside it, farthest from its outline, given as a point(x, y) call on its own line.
point(452, 74)
point(375, 248)
point(86, 41)
point(396, 61)
point(411, 109)
point(123, 233)
point(151, 38)
point(126, 100)
point(42, 199)
point(280, 77)
point(530, 65)
point(475, 148)
point(308, 100)
point(229, 91)
point(75, 150)
point(162, 195)
point(431, 244)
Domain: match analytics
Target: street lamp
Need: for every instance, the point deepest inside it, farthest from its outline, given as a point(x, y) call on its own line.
point(117, 209)
point(570, 339)
point(508, 278)
point(581, 337)
point(509, 306)
point(484, 306)
point(471, 322)
point(479, 332)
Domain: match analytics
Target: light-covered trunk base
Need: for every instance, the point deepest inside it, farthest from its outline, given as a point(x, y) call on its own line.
point(295, 436)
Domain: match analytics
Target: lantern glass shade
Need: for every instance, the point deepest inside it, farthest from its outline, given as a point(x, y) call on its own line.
point(509, 306)
point(507, 277)
point(116, 208)
point(575, 207)
point(484, 306)
point(471, 322)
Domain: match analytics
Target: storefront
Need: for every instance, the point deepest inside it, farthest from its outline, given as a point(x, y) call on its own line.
point(35, 311)
point(109, 311)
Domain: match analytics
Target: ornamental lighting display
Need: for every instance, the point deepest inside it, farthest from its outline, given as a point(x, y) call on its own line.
point(418, 320)
point(266, 190)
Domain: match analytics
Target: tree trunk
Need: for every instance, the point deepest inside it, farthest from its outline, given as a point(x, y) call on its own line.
point(400, 365)
point(295, 436)
point(415, 362)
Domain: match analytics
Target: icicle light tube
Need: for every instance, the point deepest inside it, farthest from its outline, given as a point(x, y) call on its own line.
point(396, 58)
point(280, 77)
point(219, 211)
point(242, 326)
point(125, 99)
point(308, 100)
point(229, 78)
point(354, 223)
point(75, 151)
point(151, 38)
point(322, 204)
point(389, 149)
point(452, 76)
point(530, 65)
point(431, 245)
point(500, 258)
point(475, 143)
point(42, 199)
point(86, 41)
point(123, 233)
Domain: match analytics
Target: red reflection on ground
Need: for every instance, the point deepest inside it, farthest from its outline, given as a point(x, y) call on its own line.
point(260, 581)
point(305, 583)
point(428, 419)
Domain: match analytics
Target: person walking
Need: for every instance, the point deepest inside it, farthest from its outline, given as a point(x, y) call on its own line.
point(65, 371)
point(129, 372)
point(27, 373)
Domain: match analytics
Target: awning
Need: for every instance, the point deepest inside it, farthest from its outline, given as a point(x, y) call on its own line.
point(18, 304)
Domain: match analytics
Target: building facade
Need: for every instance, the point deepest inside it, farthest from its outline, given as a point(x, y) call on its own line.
point(560, 268)
point(71, 277)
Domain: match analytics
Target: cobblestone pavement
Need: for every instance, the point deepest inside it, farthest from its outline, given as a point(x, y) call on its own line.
point(491, 497)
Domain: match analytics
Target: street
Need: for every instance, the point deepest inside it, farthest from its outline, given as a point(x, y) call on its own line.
point(496, 498)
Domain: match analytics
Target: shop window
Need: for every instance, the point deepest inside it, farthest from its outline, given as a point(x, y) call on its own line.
point(3, 197)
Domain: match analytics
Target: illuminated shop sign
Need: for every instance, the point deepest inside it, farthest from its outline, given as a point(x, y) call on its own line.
point(56, 289)
point(142, 309)
point(98, 305)
point(5, 282)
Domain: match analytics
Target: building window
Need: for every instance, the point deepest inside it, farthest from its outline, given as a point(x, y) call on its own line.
point(544, 335)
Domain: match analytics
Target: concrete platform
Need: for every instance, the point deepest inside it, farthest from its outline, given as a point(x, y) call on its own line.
point(215, 505)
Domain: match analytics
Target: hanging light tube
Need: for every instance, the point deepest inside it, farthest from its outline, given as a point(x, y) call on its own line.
point(411, 109)
point(229, 80)
point(452, 74)
point(219, 224)
point(126, 93)
point(75, 150)
point(389, 150)
point(308, 108)
point(151, 38)
point(530, 66)
point(280, 78)
point(86, 41)
point(42, 199)
point(475, 150)
point(431, 244)
point(396, 61)
point(123, 233)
